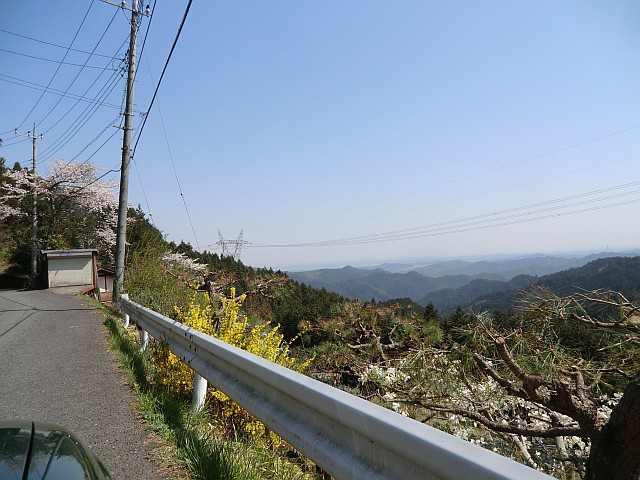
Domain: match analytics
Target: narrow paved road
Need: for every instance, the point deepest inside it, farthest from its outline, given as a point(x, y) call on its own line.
point(55, 367)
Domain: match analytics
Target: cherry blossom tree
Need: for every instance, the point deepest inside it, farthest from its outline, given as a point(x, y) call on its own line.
point(77, 209)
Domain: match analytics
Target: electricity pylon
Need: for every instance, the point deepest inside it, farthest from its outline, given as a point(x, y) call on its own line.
point(237, 243)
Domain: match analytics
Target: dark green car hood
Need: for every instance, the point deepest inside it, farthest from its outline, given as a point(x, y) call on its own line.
point(42, 451)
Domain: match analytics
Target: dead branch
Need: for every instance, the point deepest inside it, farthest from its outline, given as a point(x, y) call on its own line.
point(502, 427)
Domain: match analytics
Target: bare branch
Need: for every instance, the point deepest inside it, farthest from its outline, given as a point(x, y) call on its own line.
point(552, 432)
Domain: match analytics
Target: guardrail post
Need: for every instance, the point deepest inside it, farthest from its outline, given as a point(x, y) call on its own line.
point(199, 392)
point(144, 340)
point(126, 317)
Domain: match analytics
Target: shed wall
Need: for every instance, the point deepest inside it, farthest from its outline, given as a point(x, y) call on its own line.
point(67, 271)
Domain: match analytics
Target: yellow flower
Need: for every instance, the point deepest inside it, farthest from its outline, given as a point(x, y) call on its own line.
point(264, 340)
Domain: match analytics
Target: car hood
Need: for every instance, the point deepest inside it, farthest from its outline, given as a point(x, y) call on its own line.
point(42, 451)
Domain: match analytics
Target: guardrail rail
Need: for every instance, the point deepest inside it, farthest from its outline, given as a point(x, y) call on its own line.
point(347, 436)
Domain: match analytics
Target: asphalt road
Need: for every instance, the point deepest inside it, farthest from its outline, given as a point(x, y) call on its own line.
point(55, 367)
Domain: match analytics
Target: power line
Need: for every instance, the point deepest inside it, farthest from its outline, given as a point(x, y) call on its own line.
point(96, 138)
point(485, 217)
point(485, 192)
point(88, 89)
point(80, 71)
point(135, 164)
point(419, 232)
point(59, 65)
point(144, 192)
point(460, 179)
point(53, 44)
point(36, 57)
point(458, 224)
point(155, 93)
point(53, 91)
point(144, 40)
point(173, 165)
point(482, 227)
point(164, 69)
point(82, 120)
point(13, 143)
point(110, 124)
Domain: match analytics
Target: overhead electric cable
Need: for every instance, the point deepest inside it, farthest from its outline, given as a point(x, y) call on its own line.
point(51, 60)
point(87, 91)
point(135, 75)
point(144, 40)
point(59, 66)
point(483, 193)
point(42, 119)
point(173, 165)
point(17, 141)
point(415, 232)
point(53, 44)
point(164, 69)
point(144, 192)
point(96, 138)
point(155, 92)
point(110, 124)
point(53, 91)
point(482, 227)
point(457, 224)
point(80, 121)
point(459, 179)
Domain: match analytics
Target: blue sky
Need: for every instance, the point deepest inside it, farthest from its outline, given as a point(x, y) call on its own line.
point(305, 121)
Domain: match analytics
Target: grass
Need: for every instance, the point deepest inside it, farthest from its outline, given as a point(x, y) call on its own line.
point(189, 442)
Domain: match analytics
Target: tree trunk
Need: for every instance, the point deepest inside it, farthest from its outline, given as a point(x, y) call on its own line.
point(615, 453)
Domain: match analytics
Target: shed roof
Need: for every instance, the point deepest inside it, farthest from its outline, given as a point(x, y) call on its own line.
point(82, 252)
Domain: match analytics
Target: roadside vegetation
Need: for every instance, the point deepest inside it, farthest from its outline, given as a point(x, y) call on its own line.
point(191, 441)
point(553, 382)
point(544, 384)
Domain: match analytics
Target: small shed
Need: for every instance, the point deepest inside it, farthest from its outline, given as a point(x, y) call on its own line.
point(105, 284)
point(66, 268)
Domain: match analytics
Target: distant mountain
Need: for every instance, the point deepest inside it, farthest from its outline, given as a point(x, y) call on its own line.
point(538, 265)
point(329, 275)
point(446, 284)
point(448, 299)
point(362, 284)
point(616, 273)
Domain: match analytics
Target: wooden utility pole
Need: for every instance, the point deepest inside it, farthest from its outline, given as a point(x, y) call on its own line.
point(34, 213)
point(121, 238)
point(34, 209)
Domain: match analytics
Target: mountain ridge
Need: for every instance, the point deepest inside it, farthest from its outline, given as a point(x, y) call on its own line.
point(443, 283)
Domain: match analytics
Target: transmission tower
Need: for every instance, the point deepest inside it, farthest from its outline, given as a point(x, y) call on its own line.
point(237, 244)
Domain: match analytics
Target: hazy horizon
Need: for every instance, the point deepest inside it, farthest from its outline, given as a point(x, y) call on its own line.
point(433, 260)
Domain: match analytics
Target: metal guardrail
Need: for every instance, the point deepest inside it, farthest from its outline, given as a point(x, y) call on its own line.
point(346, 436)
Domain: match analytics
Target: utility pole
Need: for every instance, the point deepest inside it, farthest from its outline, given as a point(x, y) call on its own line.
point(121, 238)
point(34, 209)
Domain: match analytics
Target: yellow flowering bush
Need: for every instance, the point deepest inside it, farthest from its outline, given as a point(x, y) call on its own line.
point(263, 340)
point(172, 372)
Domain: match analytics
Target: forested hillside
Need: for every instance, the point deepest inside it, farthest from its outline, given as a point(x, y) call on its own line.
point(616, 273)
point(381, 285)
point(448, 299)
point(447, 284)
point(621, 274)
